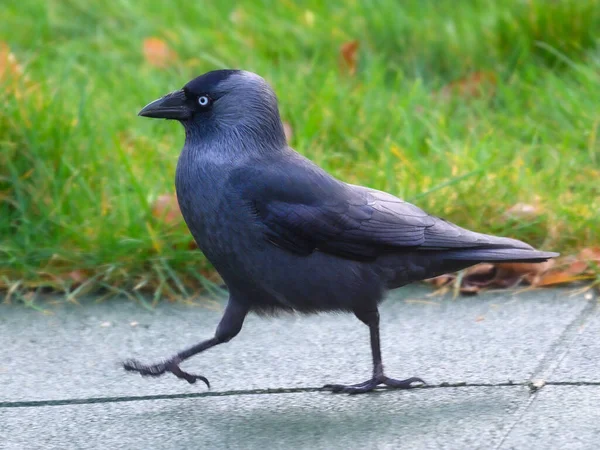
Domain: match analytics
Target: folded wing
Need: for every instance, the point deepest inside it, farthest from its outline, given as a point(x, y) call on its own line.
point(303, 209)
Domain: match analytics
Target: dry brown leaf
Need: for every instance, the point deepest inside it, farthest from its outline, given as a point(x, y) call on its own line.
point(573, 265)
point(473, 85)
point(510, 274)
point(577, 267)
point(571, 269)
point(590, 255)
point(554, 278)
point(476, 277)
point(480, 270)
point(349, 57)
point(166, 208)
point(287, 129)
point(157, 53)
point(522, 269)
point(504, 275)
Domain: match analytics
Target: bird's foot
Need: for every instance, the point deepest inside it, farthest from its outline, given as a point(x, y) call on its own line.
point(156, 370)
point(370, 385)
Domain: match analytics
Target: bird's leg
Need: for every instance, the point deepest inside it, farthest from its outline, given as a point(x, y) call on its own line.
point(229, 326)
point(371, 319)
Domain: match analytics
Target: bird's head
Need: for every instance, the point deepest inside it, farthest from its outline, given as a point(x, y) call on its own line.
point(223, 101)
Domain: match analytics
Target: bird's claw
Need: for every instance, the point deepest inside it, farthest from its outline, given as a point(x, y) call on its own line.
point(156, 370)
point(370, 385)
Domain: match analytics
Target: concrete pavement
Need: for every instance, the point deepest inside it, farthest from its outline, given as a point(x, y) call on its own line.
point(61, 385)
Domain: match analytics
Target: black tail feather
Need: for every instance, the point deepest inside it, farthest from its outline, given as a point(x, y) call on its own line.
point(477, 255)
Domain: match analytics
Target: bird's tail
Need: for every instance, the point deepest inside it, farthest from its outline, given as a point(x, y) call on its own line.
point(477, 255)
point(438, 262)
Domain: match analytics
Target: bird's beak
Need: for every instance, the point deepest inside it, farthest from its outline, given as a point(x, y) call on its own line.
point(171, 106)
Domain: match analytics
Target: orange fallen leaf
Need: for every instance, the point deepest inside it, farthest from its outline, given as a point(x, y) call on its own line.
point(590, 255)
point(349, 57)
point(505, 275)
point(512, 273)
point(166, 208)
point(157, 53)
point(571, 269)
point(473, 85)
point(554, 278)
point(577, 267)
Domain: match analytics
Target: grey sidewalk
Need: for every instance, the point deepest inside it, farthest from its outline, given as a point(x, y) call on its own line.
point(61, 385)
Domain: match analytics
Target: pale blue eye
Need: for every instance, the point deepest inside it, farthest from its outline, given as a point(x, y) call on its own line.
point(203, 100)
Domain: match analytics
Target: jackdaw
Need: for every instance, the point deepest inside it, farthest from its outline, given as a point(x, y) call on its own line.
point(285, 235)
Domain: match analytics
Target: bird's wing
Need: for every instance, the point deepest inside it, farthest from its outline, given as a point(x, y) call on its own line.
point(302, 209)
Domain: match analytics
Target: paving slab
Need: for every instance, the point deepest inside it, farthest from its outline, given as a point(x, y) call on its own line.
point(75, 351)
point(560, 417)
point(443, 418)
point(581, 359)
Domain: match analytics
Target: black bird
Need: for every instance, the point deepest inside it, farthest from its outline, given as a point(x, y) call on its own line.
point(285, 235)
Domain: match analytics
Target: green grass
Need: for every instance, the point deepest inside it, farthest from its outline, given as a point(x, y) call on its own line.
point(79, 170)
